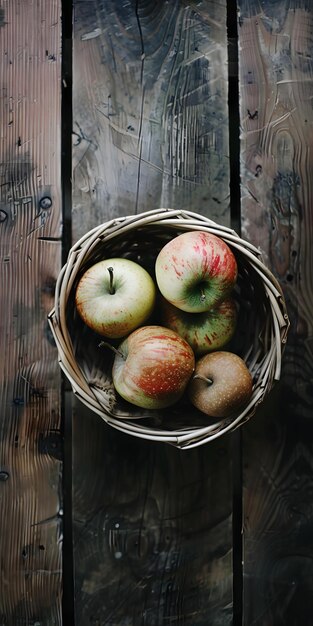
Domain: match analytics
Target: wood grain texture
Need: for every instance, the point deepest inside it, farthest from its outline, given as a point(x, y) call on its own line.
point(150, 109)
point(276, 86)
point(152, 525)
point(30, 442)
point(152, 530)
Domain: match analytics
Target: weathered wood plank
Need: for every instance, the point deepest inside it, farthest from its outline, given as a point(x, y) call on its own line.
point(152, 530)
point(276, 86)
point(30, 442)
point(150, 109)
point(153, 537)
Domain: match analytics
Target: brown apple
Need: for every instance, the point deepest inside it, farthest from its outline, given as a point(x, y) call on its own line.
point(221, 384)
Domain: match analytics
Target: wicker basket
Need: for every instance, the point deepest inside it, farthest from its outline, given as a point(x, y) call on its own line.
point(260, 335)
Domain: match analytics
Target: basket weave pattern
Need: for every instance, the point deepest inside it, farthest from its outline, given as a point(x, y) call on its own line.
point(259, 339)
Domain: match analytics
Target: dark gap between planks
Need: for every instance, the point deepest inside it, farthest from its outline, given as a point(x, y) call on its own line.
point(234, 185)
point(66, 412)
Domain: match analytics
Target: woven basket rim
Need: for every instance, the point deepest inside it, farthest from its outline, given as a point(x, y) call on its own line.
point(269, 367)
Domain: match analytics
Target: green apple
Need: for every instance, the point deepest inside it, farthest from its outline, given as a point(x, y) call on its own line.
point(115, 296)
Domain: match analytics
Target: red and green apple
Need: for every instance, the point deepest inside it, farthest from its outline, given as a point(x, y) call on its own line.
point(204, 332)
point(195, 271)
point(152, 367)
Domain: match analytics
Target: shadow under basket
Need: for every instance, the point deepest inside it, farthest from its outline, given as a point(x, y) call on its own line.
point(260, 335)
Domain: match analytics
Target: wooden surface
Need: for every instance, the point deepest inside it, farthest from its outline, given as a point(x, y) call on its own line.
point(150, 109)
point(276, 87)
point(152, 525)
point(30, 443)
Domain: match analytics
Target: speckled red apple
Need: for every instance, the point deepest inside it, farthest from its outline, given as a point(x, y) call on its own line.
point(221, 384)
point(204, 332)
point(152, 367)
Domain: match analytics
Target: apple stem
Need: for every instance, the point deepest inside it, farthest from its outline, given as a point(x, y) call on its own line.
point(111, 288)
point(207, 380)
point(105, 344)
point(202, 297)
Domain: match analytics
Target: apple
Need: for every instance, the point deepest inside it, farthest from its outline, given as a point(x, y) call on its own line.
point(115, 296)
point(204, 332)
point(152, 367)
point(222, 383)
point(195, 271)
